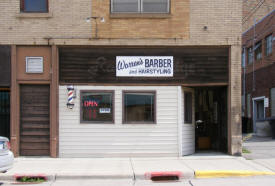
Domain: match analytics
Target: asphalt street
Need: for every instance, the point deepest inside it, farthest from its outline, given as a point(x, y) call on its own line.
point(260, 148)
point(251, 181)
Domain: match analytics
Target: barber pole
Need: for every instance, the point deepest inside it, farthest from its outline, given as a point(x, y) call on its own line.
point(70, 103)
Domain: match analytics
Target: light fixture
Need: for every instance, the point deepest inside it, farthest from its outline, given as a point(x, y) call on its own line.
point(102, 20)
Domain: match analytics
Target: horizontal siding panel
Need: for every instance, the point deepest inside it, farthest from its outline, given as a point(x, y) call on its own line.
point(110, 140)
point(118, 154)
point(115, 131)
point(119, 136)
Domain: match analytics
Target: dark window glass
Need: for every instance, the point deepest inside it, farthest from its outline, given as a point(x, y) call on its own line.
point(125, 6)
point(268, 45)
point(187, 107)
point(96, 107)
point(243, 58)
point(250, 55)
point(139, 107)
point(34, 5)
point(258, 51)
point(155, 6)
point(272, 101)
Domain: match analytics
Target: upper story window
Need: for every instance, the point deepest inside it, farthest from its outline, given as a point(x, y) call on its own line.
point(268, 45)
point(258, 50)
point(140, 6)
point(34, 6)
point(250, 55)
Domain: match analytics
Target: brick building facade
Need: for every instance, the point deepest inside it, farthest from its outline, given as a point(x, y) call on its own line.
point(78, 43)
point(255, 10)
point(258, 72)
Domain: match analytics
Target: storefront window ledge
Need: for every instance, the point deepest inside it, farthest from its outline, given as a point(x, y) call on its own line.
point(34, 15)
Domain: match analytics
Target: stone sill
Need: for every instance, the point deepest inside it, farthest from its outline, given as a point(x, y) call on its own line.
point(141, 15)
point(34, 15)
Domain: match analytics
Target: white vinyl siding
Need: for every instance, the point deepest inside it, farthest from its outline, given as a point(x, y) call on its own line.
point(188, 130)
point(120, 140)
point(272, 101)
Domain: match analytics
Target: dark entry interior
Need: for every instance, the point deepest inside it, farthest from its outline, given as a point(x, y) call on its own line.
point(211, 118)
point(5, 112)
point(34, 120)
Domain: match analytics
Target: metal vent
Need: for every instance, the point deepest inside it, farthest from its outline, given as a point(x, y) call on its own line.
point(34, 64)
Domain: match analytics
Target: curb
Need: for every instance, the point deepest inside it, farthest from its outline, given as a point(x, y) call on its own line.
point(13, 177)
point(185, 175)
point(52, 177)
point(87, 176)
point(230, 173)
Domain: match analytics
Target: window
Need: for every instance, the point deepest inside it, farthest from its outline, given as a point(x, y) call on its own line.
point(140, 6)
point(258, 50)
point(250, 55)
point(139, 107)
point(243, 105)
point(34, 6)
point(268, 45)
point(248, 99)
point(96, 107)
point(243, 57)
point(188, 107)
point(272, 101)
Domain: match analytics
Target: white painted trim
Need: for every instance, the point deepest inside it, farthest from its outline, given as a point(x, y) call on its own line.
point(180, 119)
point(258, 98)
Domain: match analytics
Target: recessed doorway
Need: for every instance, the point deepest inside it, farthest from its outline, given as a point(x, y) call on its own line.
point(211, 119)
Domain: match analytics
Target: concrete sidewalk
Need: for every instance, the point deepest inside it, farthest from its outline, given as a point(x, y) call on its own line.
point(130, 168)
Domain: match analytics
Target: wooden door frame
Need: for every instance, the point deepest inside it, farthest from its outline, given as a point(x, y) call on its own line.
point(15, 102)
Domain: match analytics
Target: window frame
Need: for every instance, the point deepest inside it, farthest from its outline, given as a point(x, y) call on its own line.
point(22, 8)
point(97, 122)
point(188, 121)
point(258, 50)
point(138, 92)
point(140, 9)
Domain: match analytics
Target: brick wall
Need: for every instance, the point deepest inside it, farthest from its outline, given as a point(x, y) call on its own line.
point(254, 9)
point(264, 76)
point(262, 29)
point(66, 24)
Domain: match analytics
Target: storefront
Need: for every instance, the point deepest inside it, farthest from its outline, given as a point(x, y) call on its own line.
point(116, 102)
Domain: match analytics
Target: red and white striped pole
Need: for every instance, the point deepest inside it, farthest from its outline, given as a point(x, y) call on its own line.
point(70, 103)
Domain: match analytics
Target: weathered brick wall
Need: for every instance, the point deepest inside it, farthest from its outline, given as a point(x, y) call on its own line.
point(264, 80)
point(145, 26)
point(262, 29)
point(66, 24)
point(251, 11)
point(264, 76)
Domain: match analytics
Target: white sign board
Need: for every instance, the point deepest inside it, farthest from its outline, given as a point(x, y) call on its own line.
point(144, 66)
point(104, 110)
point(34, 64)
point(266, 102)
